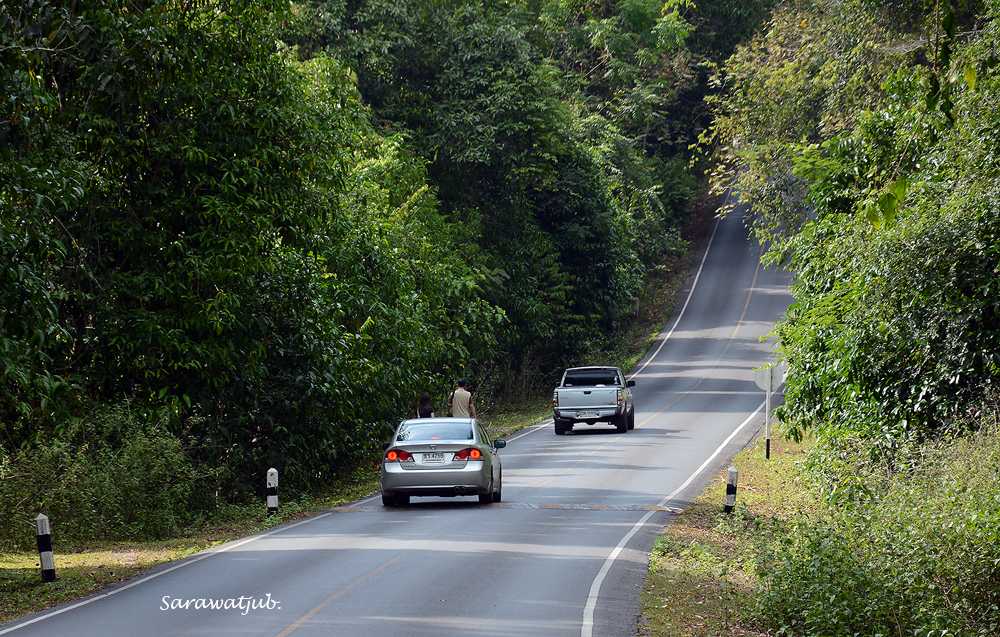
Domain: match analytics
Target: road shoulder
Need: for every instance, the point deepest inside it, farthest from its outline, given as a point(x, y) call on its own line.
point(700, 581)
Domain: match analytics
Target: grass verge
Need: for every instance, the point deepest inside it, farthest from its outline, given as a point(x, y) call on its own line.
point(700, 577)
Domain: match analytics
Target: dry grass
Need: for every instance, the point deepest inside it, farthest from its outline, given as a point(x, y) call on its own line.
point(699, 581)
point(506, 420)
point(80, 573)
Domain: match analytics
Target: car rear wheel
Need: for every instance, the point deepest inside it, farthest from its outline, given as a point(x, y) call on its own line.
point(496, 494)
point(486, 498)
point(395, 500)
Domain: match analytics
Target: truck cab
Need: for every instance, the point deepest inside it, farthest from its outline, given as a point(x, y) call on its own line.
point(591, 395)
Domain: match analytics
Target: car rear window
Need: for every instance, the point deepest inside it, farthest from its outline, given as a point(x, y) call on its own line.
point(436, 431)
point(590, 378)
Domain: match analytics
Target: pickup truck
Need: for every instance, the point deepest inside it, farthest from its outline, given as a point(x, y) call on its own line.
point(593, 394)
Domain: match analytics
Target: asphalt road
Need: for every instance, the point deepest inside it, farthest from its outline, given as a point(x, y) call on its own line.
point(564, 555)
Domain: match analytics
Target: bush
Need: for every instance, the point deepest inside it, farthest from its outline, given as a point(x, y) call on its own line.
point(138, 489)
point(919, 557)
point(877, 177)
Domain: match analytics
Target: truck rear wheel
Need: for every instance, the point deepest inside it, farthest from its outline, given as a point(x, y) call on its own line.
point(562, 427)
point(631, 419)
point(621, 423)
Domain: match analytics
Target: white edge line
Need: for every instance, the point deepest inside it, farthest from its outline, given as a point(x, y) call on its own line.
point(197, 558)
point(684, 307)
point(537, 427)
point(587, 628)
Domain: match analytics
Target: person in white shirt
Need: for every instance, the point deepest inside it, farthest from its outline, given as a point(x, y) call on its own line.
point(460, 403)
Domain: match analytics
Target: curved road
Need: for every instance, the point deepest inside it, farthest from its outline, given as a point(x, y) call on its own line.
point(564, 555)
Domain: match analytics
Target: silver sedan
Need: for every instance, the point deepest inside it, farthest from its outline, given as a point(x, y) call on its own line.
point(441, 457)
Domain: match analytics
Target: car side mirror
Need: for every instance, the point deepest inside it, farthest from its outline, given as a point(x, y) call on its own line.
point(499, 443)
point(630, 383)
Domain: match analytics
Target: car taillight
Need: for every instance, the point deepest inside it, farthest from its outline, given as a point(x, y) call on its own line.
point(398, 455)
point(621, 397)
point(468, 454)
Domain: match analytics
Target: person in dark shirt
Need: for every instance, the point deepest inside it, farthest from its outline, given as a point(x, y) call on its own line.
point(424, 407)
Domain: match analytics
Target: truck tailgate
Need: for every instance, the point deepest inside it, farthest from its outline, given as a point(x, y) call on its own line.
point(586, 397)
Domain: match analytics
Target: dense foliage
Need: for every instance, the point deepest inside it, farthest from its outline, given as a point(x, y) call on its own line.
point(870, 154)
point(866, 136)
point(240, 234)
point(195, 220)
point(555, 133)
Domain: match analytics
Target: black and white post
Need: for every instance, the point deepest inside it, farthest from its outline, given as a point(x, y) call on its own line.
point(45, 558)
point(731, 478)
point(767, 418)
point(272, 491)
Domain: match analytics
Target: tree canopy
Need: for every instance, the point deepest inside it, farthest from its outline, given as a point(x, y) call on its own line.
point(240, 234)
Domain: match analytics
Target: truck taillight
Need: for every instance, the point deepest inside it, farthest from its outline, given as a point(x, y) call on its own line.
point(555, 399)
point(621, 397)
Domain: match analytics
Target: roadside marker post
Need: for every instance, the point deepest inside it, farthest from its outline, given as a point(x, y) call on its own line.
point(769, 378)
point(731, 478)
point(767, 423)
point(272, 491)
point(46, 560)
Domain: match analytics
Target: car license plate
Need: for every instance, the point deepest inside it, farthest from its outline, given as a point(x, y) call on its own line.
point(433, 457)
point(586, 414)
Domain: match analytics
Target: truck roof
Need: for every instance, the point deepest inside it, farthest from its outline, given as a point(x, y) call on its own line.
point(573, 369)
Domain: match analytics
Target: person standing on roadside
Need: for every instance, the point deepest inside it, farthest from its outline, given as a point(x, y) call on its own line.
point(424, 407)
point(460, 403)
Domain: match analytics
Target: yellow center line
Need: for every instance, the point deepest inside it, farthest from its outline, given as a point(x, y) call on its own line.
point(340, 592)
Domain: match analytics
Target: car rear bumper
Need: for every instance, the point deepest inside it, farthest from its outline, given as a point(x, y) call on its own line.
point(472, 479)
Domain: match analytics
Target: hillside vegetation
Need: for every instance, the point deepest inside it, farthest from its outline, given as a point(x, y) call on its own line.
point(242, 234)
point(866, 137)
